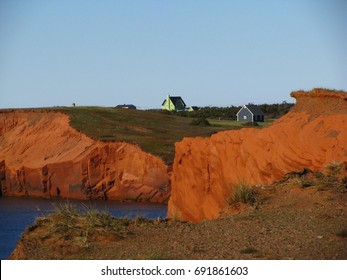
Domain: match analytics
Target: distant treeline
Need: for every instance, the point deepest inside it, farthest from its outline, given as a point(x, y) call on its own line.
point(271, 111)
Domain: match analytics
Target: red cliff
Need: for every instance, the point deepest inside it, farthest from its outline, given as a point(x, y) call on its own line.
point(42, 156)
point(206, 170)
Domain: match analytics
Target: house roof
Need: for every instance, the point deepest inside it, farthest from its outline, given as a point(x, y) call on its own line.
point(175, 100)
point(254, 109)
point(195, 108)
point(130, 106)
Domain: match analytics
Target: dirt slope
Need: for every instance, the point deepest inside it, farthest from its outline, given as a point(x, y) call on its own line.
point(42, 156)
point(206, 170)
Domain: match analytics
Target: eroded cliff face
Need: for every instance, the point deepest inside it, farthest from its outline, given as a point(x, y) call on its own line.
point(206, 170)
point(42, 156)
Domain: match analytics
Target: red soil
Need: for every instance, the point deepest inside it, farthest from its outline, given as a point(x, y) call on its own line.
point(206, 170)
point(42, 156)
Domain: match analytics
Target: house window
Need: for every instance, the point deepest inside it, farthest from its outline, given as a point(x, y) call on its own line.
point(245, 117)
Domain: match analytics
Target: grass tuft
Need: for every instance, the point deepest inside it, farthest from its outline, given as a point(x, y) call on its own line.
point(242, 193)
point(249, 250)
point(82, 227)
point(200, 121)
point(334, 167)
point(342, 233)
point(159, 255)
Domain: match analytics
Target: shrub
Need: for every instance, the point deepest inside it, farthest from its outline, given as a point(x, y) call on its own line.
point(242, 193)
point(334, 167)
point(305, 182)
point(249, 250)
point(159, 255)
point(342, 233)
point(71, 223)
point(344, 182)
point(200, 121)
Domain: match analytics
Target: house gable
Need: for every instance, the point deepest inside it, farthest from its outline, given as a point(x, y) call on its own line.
point(172, 103)
point(193, 108)
point(244, 115)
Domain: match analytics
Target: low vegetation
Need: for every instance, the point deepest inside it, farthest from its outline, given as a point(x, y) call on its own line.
point(281, 218)
point(271, 111)
point(200, 121)
point(292, 217)
point(334, 167)
point(81, 227)
point(156, 131)
point(153, 131)
point(242, 193)
point(331, 178)
point(342, 233)
point(249, 250)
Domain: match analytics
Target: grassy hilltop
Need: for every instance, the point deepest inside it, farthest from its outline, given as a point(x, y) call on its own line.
point(153, 131)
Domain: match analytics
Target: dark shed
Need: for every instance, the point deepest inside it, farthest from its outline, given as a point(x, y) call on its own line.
point(126, 106)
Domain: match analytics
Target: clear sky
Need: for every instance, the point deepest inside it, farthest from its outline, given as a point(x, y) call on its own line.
point(210, 52)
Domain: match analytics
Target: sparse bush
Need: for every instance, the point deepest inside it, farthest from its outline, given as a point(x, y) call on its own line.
point(334, 167)
point(159, 255)
point(64, 217)
point(242, 193)
point(305, 182)
point(200, 121)
point(66, 210)
point(342, 233)
point(249, 250)
point(83, 226)
point(319, 175)
point(31, 227)
point(331, 179)
point(344, 182)
point(304, 179)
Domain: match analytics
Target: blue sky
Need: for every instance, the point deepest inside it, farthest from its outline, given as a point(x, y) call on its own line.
point(210, 52)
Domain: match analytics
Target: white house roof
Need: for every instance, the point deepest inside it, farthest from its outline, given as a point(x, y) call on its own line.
point(254, 109)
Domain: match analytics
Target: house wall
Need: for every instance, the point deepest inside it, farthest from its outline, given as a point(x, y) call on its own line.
point(258, 118)
point(244, 115)
point(168, 105)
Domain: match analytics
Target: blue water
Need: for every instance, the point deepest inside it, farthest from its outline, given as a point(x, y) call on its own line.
point(17, 213)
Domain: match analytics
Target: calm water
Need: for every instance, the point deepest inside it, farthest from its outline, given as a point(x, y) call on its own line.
point(17, 213)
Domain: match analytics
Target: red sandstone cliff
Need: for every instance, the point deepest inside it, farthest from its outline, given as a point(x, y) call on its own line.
point(42, 156)
point(206, 170)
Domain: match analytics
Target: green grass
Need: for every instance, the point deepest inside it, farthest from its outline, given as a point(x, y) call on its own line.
point(234, 123)
point(81, 226)
point(153, 131)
